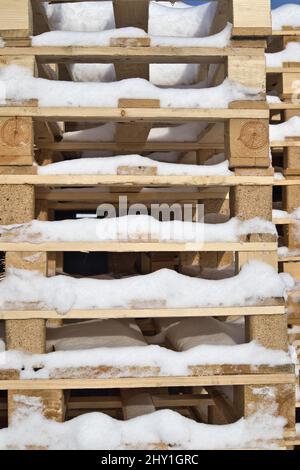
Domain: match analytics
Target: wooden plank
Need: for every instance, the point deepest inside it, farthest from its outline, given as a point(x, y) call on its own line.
point(274, 308)
point(286, 31)
point(139, 180)
point(286, 143)
point(134, 114)
point(141, 382)
point(93, 195)
point(140, 54)
point(76, 146)
point(137, 247)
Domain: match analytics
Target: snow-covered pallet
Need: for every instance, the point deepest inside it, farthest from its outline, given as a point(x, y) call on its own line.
point(16, 24)
point(223, 115)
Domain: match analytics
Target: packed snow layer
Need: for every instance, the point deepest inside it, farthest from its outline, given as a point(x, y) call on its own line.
point(154, 359)
point(289, 128)
point(188, 132)
point(87, 16)
point(166, 288)
point(166, 75)
point(273, 99)
point(98, 431)
point(164, 19)
point(284, 251)
point(19, 85)
point(286, 15)
point(110, 165)
point(167, 20)
point(133, 228)
point(70, 38)
point(291, 53)
point(278, 214)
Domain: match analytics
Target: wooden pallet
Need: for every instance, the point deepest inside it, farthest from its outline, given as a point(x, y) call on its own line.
point(18, 183)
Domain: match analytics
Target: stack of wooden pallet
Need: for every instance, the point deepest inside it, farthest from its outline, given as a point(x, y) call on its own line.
point(30, 131)
point(284, 78)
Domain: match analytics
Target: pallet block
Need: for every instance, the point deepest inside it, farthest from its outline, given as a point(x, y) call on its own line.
point(247, 143)
point(249, 71)
point(16, 141)
point(251, 18)
point(15, 21)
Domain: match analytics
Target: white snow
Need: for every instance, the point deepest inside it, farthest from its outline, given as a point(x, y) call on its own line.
point(284, 251)
point(278, 214)
point(221, 39)
point(278, 176)
point(110, 165)
point(298, 399)
point(154, 360)
point(98, 431)
point(273, 99)
point(256, 281)
point(70, 38)
point(289, 128)
point(164, 19)
point(133, 228)
point(87, 16)
point(103, 133)
point(20, 86)
point(291, 53)
point(286, 15)
point(166, 75)
point(188, 132)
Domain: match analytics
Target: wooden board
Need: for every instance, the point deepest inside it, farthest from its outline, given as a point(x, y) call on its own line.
point(139, 180)
point(138, 246)
point(138, 54)
point(126, 382)
point(134, 114)
point(269, 308)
